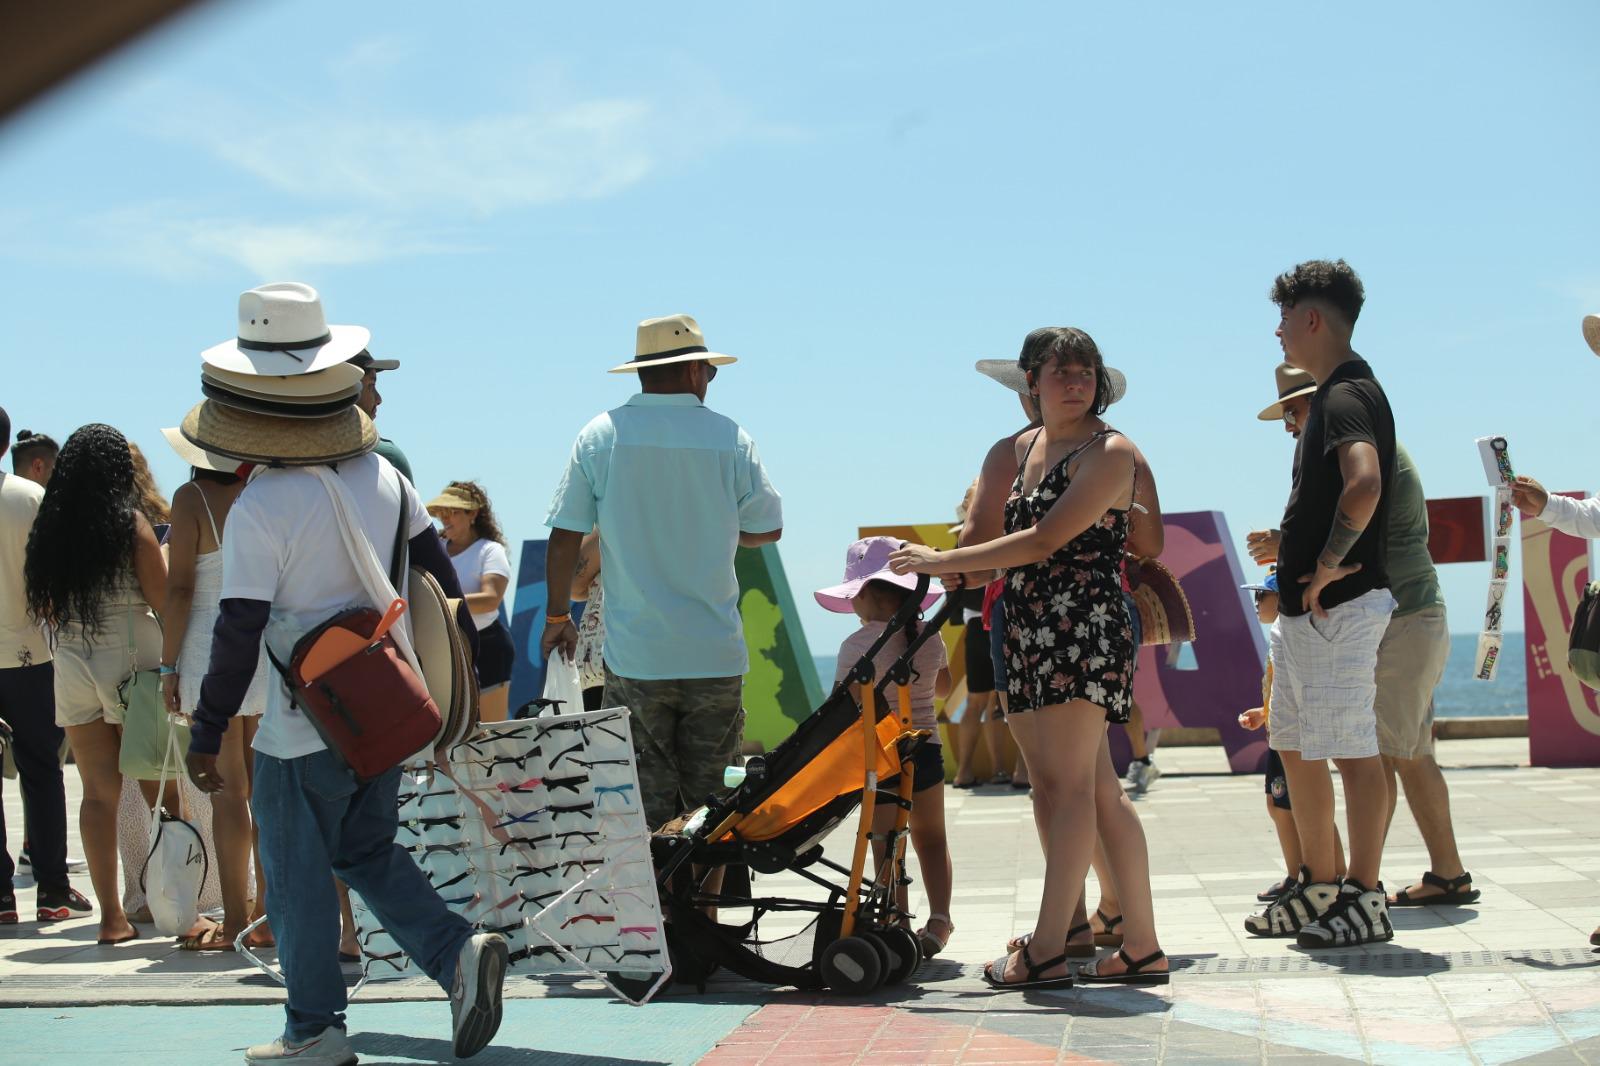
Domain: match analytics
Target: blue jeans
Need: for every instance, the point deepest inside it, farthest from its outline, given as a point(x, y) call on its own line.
point(316, 822)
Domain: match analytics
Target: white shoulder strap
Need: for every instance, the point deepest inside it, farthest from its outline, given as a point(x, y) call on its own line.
point(374, 577)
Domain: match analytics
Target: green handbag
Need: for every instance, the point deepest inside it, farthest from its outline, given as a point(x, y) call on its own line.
point(145, 725)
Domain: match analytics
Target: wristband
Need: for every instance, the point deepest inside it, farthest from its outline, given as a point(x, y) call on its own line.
point(165, 669)
point(557, 619)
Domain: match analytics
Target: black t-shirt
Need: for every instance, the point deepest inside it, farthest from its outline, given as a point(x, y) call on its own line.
point(1350, 406)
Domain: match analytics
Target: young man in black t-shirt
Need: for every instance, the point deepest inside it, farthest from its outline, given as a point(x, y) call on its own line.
point(1334, 606)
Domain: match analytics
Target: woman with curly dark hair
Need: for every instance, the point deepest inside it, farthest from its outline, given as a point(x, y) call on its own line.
point(95, 575)
point(478, 550)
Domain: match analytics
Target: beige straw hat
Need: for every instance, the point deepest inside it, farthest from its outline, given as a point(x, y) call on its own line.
point(673, 339)
point(317, 386)
point(276, 440)
point(452, 500)
point(1591, 332)
point(1292, 382)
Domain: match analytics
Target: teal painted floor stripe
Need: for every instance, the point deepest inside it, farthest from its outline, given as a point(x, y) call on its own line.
point(552, 1032)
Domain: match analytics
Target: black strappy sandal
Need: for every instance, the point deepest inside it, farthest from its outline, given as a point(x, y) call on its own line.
point(1133, 975)
point(994, 974)
point(1074, 951)
point(1108, 937)
point(1452, 893)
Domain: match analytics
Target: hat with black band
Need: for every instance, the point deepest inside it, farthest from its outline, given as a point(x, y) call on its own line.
point(668, 340)
point(1292, 382)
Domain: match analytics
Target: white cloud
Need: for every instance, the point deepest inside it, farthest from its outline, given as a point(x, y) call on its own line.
point(171, 239)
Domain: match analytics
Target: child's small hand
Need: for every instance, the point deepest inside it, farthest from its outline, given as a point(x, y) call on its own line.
point(1254, 718)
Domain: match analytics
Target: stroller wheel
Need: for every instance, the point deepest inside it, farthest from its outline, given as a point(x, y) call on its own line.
point(852, 966)
point(886, 956)
point(905, 954)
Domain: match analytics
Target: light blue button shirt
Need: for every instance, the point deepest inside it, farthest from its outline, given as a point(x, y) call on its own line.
point(671, 485)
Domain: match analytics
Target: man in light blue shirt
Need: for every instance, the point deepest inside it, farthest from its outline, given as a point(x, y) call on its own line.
point(676, 490)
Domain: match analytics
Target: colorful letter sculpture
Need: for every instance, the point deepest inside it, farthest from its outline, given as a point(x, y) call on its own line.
point(781, 689)
point(1228, 652)
point(1563, 715)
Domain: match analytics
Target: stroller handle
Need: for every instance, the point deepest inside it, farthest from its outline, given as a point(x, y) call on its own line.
point(899, 671)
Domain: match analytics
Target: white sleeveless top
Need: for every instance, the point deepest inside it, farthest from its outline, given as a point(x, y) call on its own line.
point(195, 655)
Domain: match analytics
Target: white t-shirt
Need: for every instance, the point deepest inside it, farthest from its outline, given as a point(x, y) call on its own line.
point(282, 544)
point(477, 561)
point(22, 642)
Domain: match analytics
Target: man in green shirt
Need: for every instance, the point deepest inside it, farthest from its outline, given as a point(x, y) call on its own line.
point(1411, 663)
point(369, 401)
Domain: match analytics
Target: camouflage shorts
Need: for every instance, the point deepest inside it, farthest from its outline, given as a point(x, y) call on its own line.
point(684, 733)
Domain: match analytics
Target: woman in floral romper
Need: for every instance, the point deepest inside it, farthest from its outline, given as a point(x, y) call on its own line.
point(1070, 654)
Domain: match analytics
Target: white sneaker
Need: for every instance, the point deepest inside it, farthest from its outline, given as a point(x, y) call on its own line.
point(475, 993)
point(331, 1047)
point(1140, 776)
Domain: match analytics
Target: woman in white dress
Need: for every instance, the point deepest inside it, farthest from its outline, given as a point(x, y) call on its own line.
point(194, 590)
point(478, 550)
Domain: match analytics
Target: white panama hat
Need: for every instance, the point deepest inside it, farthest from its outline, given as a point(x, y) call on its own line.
point(283, 332)
point(1008, 373)
point(672, 339)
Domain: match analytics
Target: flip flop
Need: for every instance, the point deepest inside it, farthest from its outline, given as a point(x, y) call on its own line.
point(965, 784)
point(212, 939)
point(994, 975)
point(107, 942)
point(1133, 975)
point(1452, 893)
point(1108, 937)
point(1000, 778)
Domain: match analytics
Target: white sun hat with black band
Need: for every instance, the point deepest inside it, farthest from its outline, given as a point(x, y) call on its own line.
point(673, 339)
point(283, 332)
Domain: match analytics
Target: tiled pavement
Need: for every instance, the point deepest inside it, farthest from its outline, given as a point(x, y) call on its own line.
point(1509, 980)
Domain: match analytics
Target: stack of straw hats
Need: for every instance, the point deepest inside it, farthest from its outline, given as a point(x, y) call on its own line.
point(283, 392)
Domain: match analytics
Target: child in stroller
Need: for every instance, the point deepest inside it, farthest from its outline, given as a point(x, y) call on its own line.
point(781, 807)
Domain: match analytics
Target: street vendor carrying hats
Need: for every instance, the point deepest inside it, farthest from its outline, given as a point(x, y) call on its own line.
point(312, 534)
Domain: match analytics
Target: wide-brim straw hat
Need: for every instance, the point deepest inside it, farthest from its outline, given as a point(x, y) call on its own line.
point(283, 331)
point(1010, 374)
point(288, 407)
point(1591, 332)
point(672, 339)
point(196, 456)
point(452, 500)
point(314, 387)
point(276, 440)
point(1292, 382)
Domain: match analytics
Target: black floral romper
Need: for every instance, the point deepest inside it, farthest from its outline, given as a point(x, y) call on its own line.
point(1068, 636)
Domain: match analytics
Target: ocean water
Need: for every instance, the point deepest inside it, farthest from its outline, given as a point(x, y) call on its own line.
point(1459, 695)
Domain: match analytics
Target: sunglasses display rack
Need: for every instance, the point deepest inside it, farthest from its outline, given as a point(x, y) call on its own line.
point(1496, 456)
point(534, 830)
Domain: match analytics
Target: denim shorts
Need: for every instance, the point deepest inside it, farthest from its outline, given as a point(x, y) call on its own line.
point(997, 643)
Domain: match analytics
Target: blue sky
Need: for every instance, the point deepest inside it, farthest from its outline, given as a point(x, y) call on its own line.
point(858, 200)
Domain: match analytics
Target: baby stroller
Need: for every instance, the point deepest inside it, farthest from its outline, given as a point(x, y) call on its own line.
point(775, 820)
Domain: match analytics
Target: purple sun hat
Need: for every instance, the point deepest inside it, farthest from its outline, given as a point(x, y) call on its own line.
point(868, 560)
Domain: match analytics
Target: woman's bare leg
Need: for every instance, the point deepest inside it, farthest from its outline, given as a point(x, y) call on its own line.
point(492, 704)
point(95, 748)
point(1129, 861)
point(1060, 744)
point(232, 829)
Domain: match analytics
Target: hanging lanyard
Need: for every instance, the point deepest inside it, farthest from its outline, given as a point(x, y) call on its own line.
point(1496, 458)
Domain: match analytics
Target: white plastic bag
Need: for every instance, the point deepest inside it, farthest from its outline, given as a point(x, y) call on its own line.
point(176, 864)
point(561, 683)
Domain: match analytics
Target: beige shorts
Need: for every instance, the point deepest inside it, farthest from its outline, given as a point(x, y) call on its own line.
point(88, 673)
point(1410, 666)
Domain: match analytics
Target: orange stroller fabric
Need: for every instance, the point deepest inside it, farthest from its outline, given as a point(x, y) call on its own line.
point(836, 772)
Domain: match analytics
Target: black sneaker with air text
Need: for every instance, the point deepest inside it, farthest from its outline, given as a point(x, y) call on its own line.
point(1300, 905)
point(1359, 916)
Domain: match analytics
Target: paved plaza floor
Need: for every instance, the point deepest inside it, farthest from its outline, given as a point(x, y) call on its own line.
point(1511, 979)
